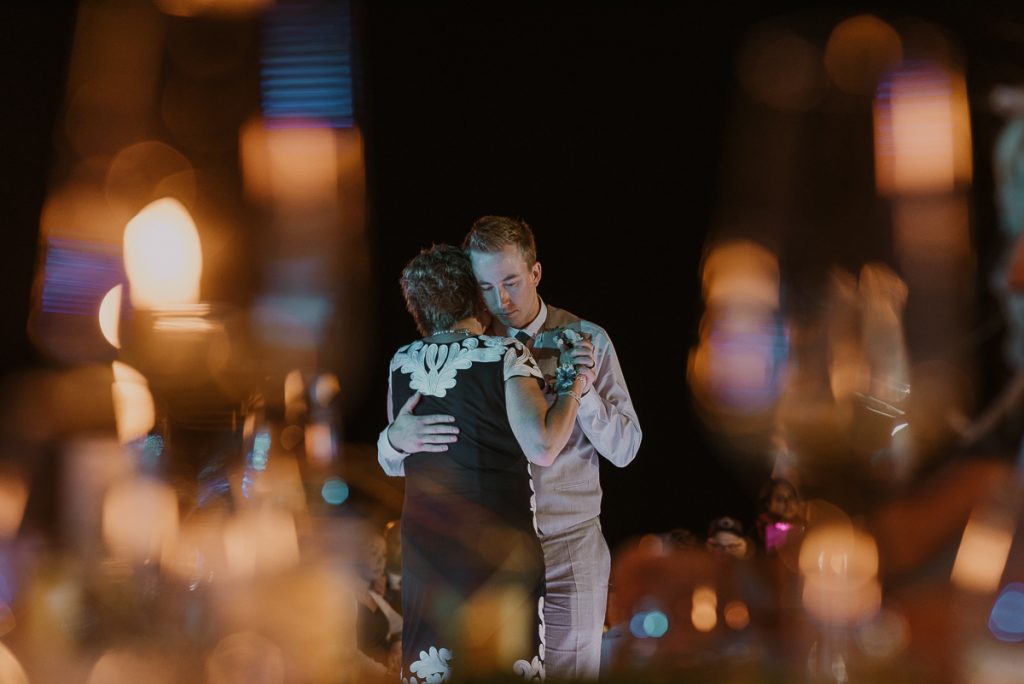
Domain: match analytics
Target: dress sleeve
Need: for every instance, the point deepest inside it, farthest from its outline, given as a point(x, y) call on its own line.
point(519, 362)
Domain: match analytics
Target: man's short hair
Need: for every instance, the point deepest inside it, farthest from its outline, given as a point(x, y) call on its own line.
point(495, 233)
point(439, 288)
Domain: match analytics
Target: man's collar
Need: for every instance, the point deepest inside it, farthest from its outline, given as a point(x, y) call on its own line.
point(536, 324)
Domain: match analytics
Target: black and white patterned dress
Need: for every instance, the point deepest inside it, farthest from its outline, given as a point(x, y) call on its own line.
point(472, 567)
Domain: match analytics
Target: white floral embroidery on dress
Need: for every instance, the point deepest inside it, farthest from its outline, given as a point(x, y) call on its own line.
point(432, 667)
point(534, 670)
point(519, 361)
point(433, 366)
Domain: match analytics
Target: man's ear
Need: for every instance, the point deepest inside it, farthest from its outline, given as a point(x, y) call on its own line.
point(535, 273)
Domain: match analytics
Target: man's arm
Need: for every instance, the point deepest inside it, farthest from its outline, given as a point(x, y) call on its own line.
point(606, 413)
point(409, 434)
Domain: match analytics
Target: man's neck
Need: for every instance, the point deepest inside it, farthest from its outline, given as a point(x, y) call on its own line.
point(500, 329)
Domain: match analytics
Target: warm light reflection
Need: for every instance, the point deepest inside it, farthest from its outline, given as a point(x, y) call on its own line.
point(293, 166)
point(704, 613)
point(191, 8)
point(134, 411)
point(736, 368)
point(737, 615)
point(320, 443)
point(839, 564)
point(110, 316)
point(922, 131)
point(859, 51)
point(886, 636)
point(262, 541)
point(121, 666)
point(983, 551)
point(140, 518)
point(780, 68)
point(162, 256)
point(741, 272)
point(13, 496)
point(11, 671)
point(197, 554)
point(244, 658)
point(326, 389)
point(294, 396)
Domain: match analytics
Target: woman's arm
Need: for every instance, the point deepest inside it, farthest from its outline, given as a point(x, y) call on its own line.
point(541, 430)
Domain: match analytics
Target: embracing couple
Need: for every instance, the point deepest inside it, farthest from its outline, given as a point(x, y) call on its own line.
point(505, 568)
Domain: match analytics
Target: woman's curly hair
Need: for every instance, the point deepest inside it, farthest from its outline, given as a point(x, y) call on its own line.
point(439, 288)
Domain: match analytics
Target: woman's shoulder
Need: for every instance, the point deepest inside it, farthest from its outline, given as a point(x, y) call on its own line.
point(405, 352)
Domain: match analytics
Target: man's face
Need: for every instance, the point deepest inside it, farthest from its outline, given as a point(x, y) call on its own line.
point(508, 285)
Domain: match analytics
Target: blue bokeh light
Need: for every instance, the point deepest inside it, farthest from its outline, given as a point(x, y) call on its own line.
point(1006, 622)
point(655, 624)
point(334, 491)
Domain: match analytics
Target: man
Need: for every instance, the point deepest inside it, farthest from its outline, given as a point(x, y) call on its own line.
point(576, 557)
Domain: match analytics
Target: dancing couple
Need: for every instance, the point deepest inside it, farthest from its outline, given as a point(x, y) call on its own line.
point(498, 418)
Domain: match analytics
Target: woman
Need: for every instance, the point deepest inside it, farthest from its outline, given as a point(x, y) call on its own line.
point(472, 568)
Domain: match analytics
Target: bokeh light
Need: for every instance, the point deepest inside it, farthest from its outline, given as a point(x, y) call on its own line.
point(736, 615)
point(134, 410)
point(922, 130)
point(263, 541)
point(246, 658)
point(162, 256)
point(859, 51)
point(1006, 622)
point(110, 316)
point(779, 68)
point(140, 518)
point(704, 613)
point(13, 496)
point(11, 671)
point(334, 491)
point(984, 548)
point(839, 565)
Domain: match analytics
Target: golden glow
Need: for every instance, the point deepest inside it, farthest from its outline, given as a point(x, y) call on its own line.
point(704, 614)
point(294, 396)
point(293, 166)
point(13, 496)
point(191, 8)
point(984, 548)
point(737, 615)
point(262, 541)
point(110, 316)
point(839, 564)
point(162, 256)
point(327, 387)
point(140, 518)
point(859, 51)
point(741, 272)
point(492, 622)
point(134, 411)
point(319, 443)
point(197, 554)
point(122, 665)
point(781, 69)
point(11, 671)
point(922, 132)
point(245, 657)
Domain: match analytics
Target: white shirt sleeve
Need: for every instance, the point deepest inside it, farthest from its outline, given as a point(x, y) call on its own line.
point(606, 413)
point(391, 460)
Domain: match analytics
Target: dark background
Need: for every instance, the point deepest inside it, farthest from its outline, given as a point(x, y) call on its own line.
point(601, 124)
